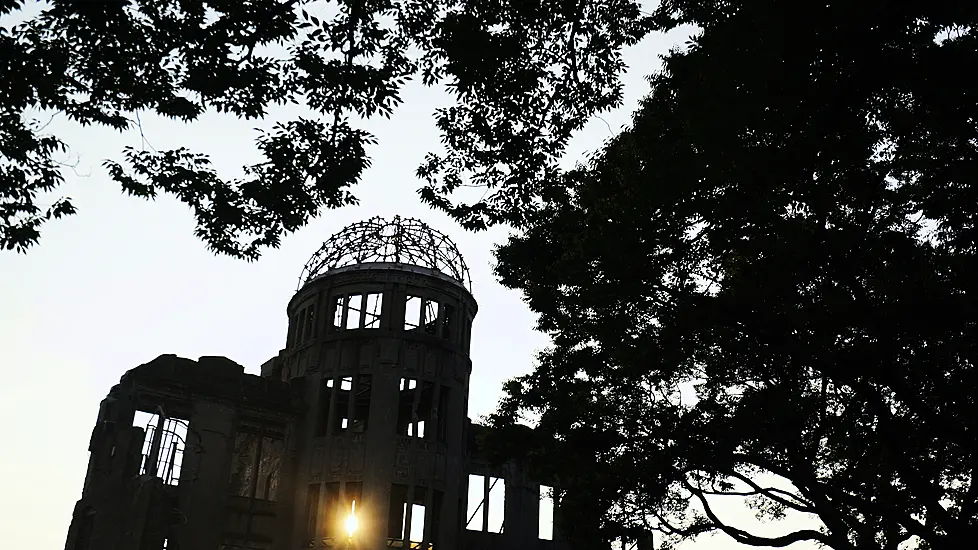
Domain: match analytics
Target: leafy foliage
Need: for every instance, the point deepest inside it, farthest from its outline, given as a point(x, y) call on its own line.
point(766, 287)
point(525, 75)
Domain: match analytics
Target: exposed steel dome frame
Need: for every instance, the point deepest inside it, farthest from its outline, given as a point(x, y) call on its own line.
point(399, 241)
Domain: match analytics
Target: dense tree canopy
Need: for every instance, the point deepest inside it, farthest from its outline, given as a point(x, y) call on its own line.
point(525, 74)
point(767, 286)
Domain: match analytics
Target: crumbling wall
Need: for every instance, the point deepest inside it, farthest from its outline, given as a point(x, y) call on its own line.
point(165, 481)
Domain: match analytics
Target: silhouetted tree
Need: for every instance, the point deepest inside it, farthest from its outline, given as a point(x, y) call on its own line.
point(524, 74)
point(767, 286)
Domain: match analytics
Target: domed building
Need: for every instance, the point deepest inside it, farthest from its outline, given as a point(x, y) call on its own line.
point(354, 436)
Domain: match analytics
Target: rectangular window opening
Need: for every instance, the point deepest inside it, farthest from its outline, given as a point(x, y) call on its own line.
point(256, 466)
point(415, 408)
point(412, 313)
point(337, 323)
point(310, 329)
point(408, 517)
point(417, 523)
point(405, 404)
point(496, 504)
point(546, 530)
point(426, 409)
point(300, 331)
point(397, 513)
point(430, 319)
point(416, 429)
point(293, 329)
point(473, 514)
point(341, 411)
point(243, 474)
point(164, 442)
point(448, 322)
point(361, 403)
point(269, 468)
point(354, 308)
point(372, 307)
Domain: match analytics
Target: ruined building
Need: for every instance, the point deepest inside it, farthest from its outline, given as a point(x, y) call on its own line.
point(354, 436)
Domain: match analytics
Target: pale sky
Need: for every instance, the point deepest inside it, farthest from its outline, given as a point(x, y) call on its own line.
point(125, 281)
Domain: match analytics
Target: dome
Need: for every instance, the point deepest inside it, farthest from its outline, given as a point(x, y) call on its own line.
point(398, 241)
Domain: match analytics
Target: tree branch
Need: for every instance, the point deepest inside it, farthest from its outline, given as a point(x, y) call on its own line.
point(744, 537)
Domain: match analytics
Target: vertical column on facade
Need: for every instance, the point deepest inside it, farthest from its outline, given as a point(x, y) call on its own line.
point(301, 443)
point(451, 523)
point(521, 515)
point(207, 463)
point(380, 453)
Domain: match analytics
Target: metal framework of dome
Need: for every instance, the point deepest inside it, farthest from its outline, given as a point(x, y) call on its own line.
point(401, 240)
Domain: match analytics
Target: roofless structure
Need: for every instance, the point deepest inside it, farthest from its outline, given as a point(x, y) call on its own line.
point(354, 436)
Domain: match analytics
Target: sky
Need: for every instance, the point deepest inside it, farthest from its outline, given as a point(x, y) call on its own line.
point(125, 281)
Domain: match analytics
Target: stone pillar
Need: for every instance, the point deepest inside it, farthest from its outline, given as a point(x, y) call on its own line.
point(204, 477)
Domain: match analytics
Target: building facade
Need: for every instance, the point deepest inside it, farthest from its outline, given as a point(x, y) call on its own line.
point(354, 436)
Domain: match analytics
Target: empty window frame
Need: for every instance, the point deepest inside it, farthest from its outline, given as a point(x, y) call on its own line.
point(413, 518)
point(164, 441)
point(406, 409)
point(430, 316)
point(546, 528)
point(417, 412)
point(269, 468)
point(341, 412)
point(447, 322)
point(495, 511)
point(354, 311)
point(361, 403)
point(309, 329)
point(341, 409)
point(477, 496)
point(412, 312)
point(337, 305)
point(303, 324)
point(373, 303)
point(406, 514)
point(256, 466)
point(486, 504)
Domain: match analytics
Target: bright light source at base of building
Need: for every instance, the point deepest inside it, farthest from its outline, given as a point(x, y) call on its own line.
point(351, 523)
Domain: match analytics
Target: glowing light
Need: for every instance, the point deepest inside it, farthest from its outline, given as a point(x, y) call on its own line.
point(351, 522)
